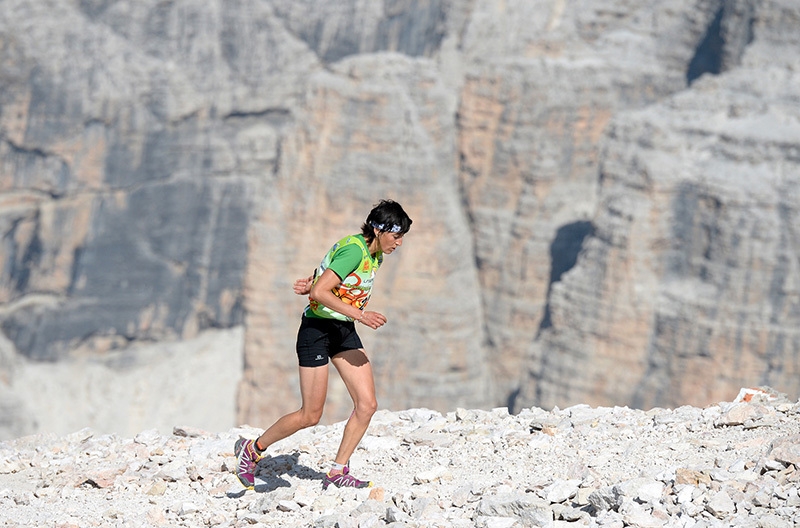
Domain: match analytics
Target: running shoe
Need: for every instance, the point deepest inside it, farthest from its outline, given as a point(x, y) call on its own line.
point(344, 480)
point(246, 461)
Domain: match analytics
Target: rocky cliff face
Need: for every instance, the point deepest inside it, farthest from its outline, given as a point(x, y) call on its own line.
point(601, 192)
point(689, 282)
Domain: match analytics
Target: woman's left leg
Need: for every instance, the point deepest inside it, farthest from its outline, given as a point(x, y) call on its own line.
point(356, 372)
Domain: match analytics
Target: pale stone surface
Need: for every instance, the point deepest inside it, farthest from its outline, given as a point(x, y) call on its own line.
point(86, 478)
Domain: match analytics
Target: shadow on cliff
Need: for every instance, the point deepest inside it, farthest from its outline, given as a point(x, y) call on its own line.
point(564, 251)
point(727, 36)
point(271, 470)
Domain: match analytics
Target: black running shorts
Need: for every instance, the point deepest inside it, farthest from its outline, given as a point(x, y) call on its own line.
point(320, 339)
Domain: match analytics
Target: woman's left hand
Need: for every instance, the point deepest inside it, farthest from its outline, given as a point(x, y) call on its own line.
point(373, 320)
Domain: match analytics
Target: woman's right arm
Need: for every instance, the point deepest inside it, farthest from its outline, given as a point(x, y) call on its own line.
point(322, 292)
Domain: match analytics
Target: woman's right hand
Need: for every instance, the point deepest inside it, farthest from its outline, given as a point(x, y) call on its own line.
point(303, 286)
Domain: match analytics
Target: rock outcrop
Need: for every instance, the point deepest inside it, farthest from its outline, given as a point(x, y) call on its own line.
point(602, 194)
point(690, 280)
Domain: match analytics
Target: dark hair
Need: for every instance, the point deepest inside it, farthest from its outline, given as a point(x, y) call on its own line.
point(387, 216)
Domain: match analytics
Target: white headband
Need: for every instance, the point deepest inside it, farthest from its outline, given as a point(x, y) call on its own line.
point(380, 227)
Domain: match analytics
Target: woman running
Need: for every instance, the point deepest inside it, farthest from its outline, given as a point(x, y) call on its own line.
point(338, 294)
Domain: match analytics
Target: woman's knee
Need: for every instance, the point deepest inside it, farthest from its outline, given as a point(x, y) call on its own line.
point(310, 418)
point(367, 408)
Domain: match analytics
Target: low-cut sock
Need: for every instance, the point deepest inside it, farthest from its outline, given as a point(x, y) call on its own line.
point(336, 469)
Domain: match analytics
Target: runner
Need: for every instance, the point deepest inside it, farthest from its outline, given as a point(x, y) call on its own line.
point(338, 294)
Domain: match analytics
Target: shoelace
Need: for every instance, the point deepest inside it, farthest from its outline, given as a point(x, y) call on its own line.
point(248, 457)
point(344, 480)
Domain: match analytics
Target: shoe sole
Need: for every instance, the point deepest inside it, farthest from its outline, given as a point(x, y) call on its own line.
point(246, 484)
point(237, 447)
point(327, 483)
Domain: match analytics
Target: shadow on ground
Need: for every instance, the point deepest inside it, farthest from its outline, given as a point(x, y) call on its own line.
point(271, 470)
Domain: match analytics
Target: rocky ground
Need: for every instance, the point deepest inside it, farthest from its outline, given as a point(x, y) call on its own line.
point(731, 464)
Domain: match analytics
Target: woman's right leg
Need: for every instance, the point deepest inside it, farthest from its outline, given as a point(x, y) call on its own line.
point(313, 391)
point(313, 388)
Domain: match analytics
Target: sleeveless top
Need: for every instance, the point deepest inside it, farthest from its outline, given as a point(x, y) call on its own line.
point(348, 258)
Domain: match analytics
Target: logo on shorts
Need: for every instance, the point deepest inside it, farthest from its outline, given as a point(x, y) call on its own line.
point(319, 358)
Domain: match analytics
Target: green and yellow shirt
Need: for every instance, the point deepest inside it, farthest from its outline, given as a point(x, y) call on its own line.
point(350, 259)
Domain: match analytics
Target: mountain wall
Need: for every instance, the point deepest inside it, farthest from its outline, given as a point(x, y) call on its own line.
point(688, 283)
point(602, 194)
